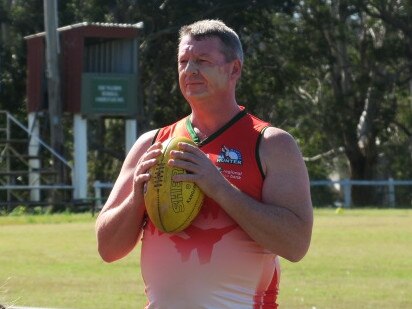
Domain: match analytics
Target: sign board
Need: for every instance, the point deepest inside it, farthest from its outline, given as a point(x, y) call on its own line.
point(109, 94)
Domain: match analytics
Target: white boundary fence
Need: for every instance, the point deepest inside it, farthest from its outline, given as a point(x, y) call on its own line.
point(98, 198)
point(345, 184)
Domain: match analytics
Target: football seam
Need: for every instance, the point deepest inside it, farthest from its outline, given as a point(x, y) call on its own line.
point(158, 204)
point(189, 218)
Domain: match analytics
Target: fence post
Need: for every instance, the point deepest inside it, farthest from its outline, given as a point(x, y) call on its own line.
point(97, 194)
point(347, 193)
point(391, 193)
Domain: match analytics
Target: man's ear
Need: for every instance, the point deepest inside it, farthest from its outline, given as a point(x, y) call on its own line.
point(236, 69)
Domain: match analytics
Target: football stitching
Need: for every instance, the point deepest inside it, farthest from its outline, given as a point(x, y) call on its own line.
point(163, 165)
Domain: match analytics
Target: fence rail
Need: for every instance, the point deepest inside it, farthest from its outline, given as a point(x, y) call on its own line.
point(98, 198)
point(40, 187)
point(345, 184)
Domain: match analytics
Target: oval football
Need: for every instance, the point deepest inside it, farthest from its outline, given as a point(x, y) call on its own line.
point(170, 205)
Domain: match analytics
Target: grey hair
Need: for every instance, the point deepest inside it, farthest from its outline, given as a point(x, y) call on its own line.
point(203, 29)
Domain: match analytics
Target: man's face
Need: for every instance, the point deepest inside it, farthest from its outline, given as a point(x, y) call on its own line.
point(203, 69)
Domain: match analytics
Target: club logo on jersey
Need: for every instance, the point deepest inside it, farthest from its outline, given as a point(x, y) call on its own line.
point(228, 155)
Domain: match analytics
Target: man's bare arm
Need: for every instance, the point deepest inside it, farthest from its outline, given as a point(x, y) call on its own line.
point(119, 224)
point(282, 221)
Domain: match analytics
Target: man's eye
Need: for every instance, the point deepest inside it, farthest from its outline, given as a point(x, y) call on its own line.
point(182, 61)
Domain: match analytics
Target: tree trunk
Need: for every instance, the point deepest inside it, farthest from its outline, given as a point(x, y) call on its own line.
point(362, 168)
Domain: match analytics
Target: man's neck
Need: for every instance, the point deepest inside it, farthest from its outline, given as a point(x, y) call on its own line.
point(208, 118)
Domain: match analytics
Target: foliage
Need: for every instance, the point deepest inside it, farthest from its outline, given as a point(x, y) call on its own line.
point(18, 19)
point(335, 74)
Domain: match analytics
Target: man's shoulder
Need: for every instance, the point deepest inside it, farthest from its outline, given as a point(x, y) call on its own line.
point(278, 137)
point(176, 128)
point(280, 147)
point(257, 121)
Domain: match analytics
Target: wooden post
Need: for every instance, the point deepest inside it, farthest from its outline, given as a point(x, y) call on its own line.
point(53, 86)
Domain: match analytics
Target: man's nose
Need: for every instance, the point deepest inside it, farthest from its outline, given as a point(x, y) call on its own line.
point(191, 68)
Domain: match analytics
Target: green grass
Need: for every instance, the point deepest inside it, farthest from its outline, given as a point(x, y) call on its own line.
point(358, 259)
point(52, 261)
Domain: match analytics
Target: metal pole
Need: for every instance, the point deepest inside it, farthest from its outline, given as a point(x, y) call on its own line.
point(347, 193)
point(34, 160)
point(80, 171)
point(391, 191)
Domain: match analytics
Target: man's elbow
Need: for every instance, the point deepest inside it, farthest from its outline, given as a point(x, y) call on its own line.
point(301, 243)
point(107, 251)
point(106, 255)
point(298, 250)
point(111, 252)
point(296, 256)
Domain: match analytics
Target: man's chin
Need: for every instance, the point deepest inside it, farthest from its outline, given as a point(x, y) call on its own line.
point(195, 95)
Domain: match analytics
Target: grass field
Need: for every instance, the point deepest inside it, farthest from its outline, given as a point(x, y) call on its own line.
point(358, 259)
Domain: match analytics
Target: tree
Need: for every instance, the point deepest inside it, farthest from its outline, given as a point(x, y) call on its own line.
point(17, 19)
point(357, 83)
point(336, 74)
point(397, 15)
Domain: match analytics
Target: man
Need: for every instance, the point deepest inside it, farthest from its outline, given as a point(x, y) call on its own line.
point(257, 205)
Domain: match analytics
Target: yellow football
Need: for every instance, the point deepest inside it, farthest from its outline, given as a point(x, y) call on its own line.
point(170, 205)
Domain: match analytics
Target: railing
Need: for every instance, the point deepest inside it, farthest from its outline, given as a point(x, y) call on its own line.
point(98, 198)
point(40, 187)
point(346, 185)
point(31, 135)
point(26, 165)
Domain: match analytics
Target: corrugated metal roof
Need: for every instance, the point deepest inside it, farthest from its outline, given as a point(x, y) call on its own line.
point(138, 25)
point(115, 50)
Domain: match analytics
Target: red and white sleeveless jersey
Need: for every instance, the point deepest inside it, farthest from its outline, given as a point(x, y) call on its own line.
point(213, 263)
